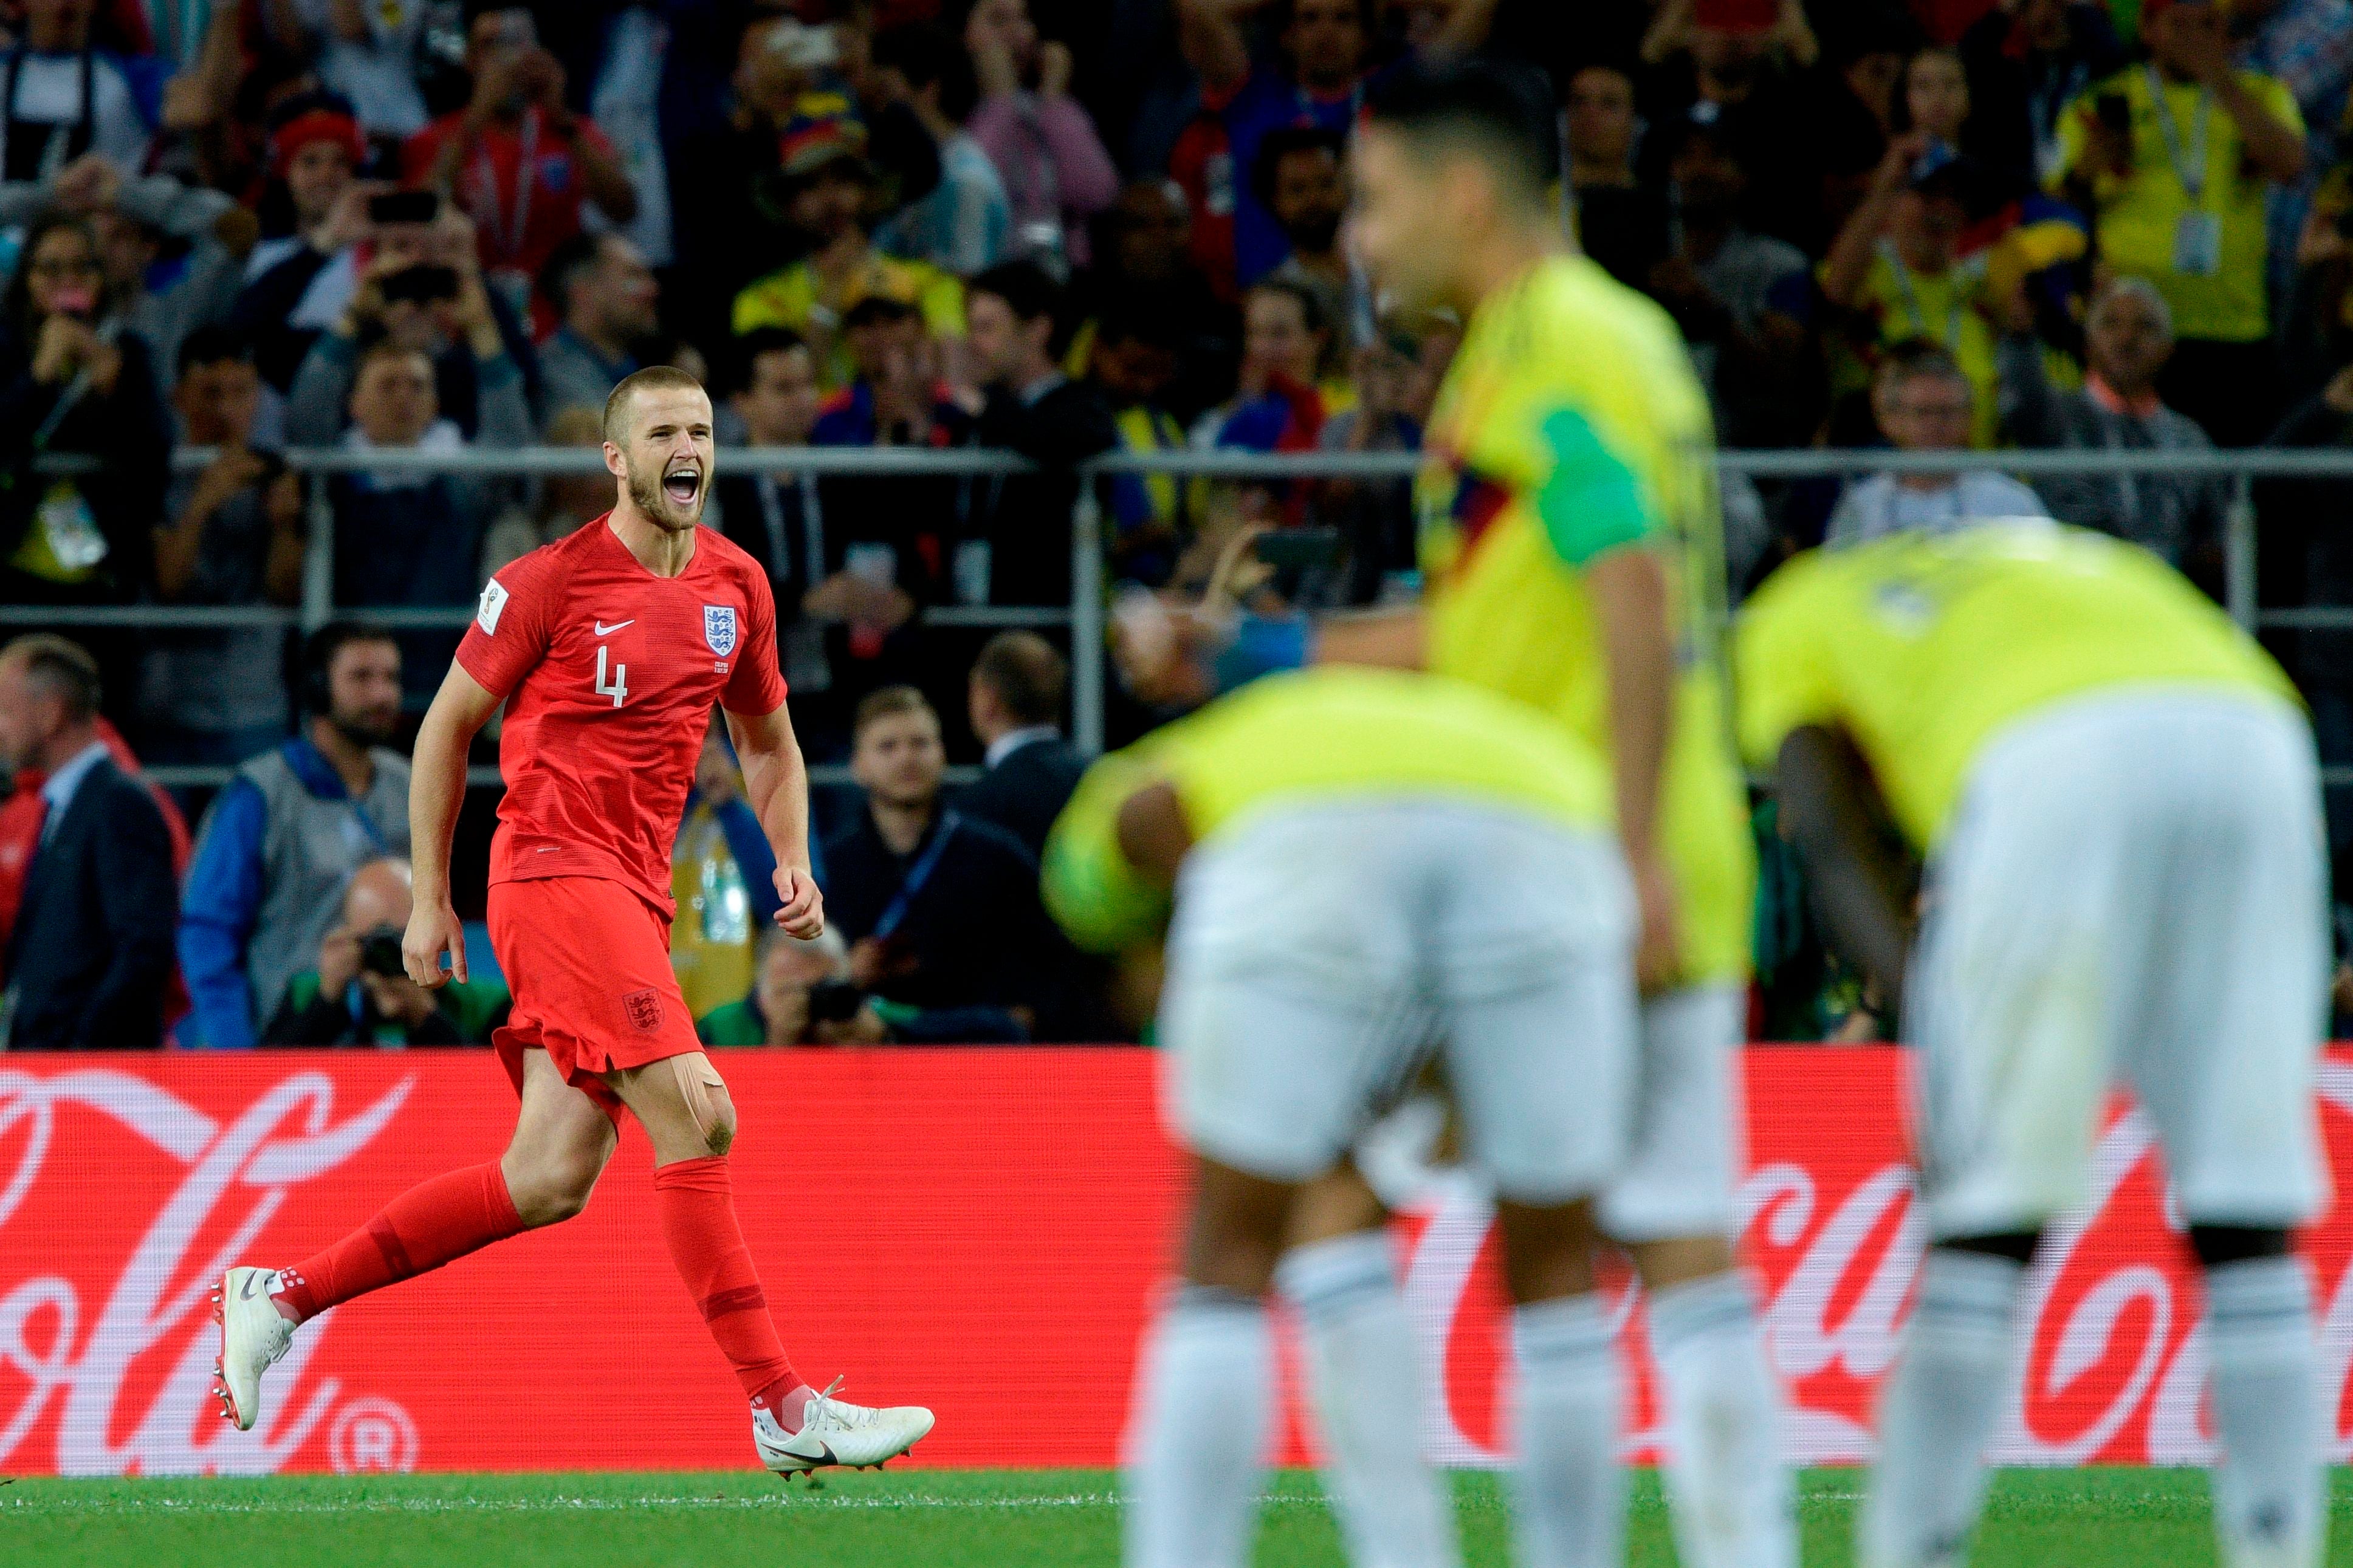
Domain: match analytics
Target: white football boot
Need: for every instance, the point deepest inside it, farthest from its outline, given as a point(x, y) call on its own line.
point(253, 1336)
point(836, 1432)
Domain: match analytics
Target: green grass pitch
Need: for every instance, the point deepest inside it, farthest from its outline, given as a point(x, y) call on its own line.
point(2096, 1518)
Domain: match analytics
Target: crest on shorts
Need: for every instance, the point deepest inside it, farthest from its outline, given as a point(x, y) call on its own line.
point(718, 628)
point(644, 1008)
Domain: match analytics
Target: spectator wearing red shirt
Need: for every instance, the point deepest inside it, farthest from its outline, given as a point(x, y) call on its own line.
point(515, 159)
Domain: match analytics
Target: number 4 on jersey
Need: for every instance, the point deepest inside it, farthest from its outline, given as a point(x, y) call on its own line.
point(616, 684)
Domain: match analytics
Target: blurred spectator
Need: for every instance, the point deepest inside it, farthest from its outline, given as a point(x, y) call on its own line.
point(409, 536)
point(417, 290)
point(2307, 45)
point(605, 296)
point(1044, 145)
point(73, 381)
point(1897, 271)
point(941, 912)
point(22, 814)
point(1134, 366)
point(209, 278)
point(516, 159)
point(1147, 270)
point(62, 95)
point(1317, 79)
point(964, 226)
point(1023, 402)
point(284, 836)
point(2174, 160)
point(723, 875)
point(1397, 380)
point(780, 518)
point(1727, 69)
point(358, 992)
point(1855, 112)
point(1923, 404)
point(314, 224)
point(829, 186)
point(2126, 339)
point(565, 500)
point(734, 192)
point(2026, 62)
point(1281, 397)
point(232, 534)
point(1621, 222)
point(794, 981)
point(1015, 700)
point(893, 536)
point(1731, 291)
point(90, 961)
point(624, 97)
point(370, 54)
point(1302, 177)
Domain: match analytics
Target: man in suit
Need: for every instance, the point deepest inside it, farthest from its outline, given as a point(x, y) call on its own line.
point(1014, 701)
point(90, 959)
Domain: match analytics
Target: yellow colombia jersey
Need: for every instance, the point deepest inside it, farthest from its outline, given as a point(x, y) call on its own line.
point(1324, 734)
point(1923, 647)
point(1571, 425)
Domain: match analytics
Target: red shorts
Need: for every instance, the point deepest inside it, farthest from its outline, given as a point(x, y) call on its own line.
point(588, 962)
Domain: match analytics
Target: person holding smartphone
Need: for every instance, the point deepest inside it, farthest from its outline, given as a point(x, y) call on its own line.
point(72, 384)
point(516, 159)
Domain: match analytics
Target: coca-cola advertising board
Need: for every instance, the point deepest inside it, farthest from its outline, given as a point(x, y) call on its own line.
point(979, 1230)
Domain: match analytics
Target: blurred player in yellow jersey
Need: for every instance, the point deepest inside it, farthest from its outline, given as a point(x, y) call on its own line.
point(1375, 865)
point(1571, 552)
point(2116, 798)
point(1572, 557)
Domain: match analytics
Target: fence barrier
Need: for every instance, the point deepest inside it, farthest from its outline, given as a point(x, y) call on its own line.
point(1084, 615)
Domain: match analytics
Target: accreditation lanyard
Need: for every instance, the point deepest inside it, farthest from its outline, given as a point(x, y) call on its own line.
point(510, 242)
point(1909, 297)
point(2189, 163)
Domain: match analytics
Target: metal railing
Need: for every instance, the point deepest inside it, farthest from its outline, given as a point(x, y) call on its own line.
point(1084, 615)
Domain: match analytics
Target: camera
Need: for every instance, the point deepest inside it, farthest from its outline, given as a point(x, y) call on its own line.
point(423, 283)
point(835, 1001)
point(380, 952)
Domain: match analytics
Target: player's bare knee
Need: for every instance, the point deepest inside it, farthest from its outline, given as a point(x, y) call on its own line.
point(1547, 1249)
point(552, 1188)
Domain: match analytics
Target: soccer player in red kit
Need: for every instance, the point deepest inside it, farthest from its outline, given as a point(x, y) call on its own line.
point(609, 648)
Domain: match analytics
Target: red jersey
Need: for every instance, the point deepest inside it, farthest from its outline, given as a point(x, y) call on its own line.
point(609, 673)
point(519, 224)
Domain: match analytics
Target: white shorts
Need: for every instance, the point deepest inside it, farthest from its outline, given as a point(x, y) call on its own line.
point(1686, 1146)
point(2134, 888)
point(1319, 953)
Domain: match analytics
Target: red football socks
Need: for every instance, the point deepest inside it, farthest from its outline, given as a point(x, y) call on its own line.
point(697, 1204)
point(420, 1230)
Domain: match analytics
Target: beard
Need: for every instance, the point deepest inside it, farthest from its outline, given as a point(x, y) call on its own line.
point(655, 504)
point(364, 729)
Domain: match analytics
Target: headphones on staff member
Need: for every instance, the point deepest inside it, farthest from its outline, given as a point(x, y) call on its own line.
point(318, 658)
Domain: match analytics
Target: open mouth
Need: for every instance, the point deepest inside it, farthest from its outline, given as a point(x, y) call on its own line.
point(681, 484)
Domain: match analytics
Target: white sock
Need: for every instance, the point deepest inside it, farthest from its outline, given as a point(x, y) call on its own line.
point(2271, 1489)
point(1938, 1411)
point(1365, 1369)
point(1725, 1477)
point(1204, 1396)
point(1565, 1424)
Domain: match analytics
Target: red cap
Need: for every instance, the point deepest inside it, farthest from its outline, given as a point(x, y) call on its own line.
point(316, 125)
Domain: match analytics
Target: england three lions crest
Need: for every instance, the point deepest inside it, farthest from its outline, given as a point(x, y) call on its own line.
point(718, 628)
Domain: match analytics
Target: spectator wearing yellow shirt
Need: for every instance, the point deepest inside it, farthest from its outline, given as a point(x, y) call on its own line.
point(1896, 269)
point(2174, 158)
point(829, 190)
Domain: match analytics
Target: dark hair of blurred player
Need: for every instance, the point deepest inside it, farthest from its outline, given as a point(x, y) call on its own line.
point(1453, 172)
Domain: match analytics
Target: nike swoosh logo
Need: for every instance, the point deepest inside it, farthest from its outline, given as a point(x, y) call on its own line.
point(246, 1293)
point(824, 1456)
point(605, 631)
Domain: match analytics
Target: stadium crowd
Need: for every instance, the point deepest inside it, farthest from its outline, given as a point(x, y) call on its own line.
point(1048, 226)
